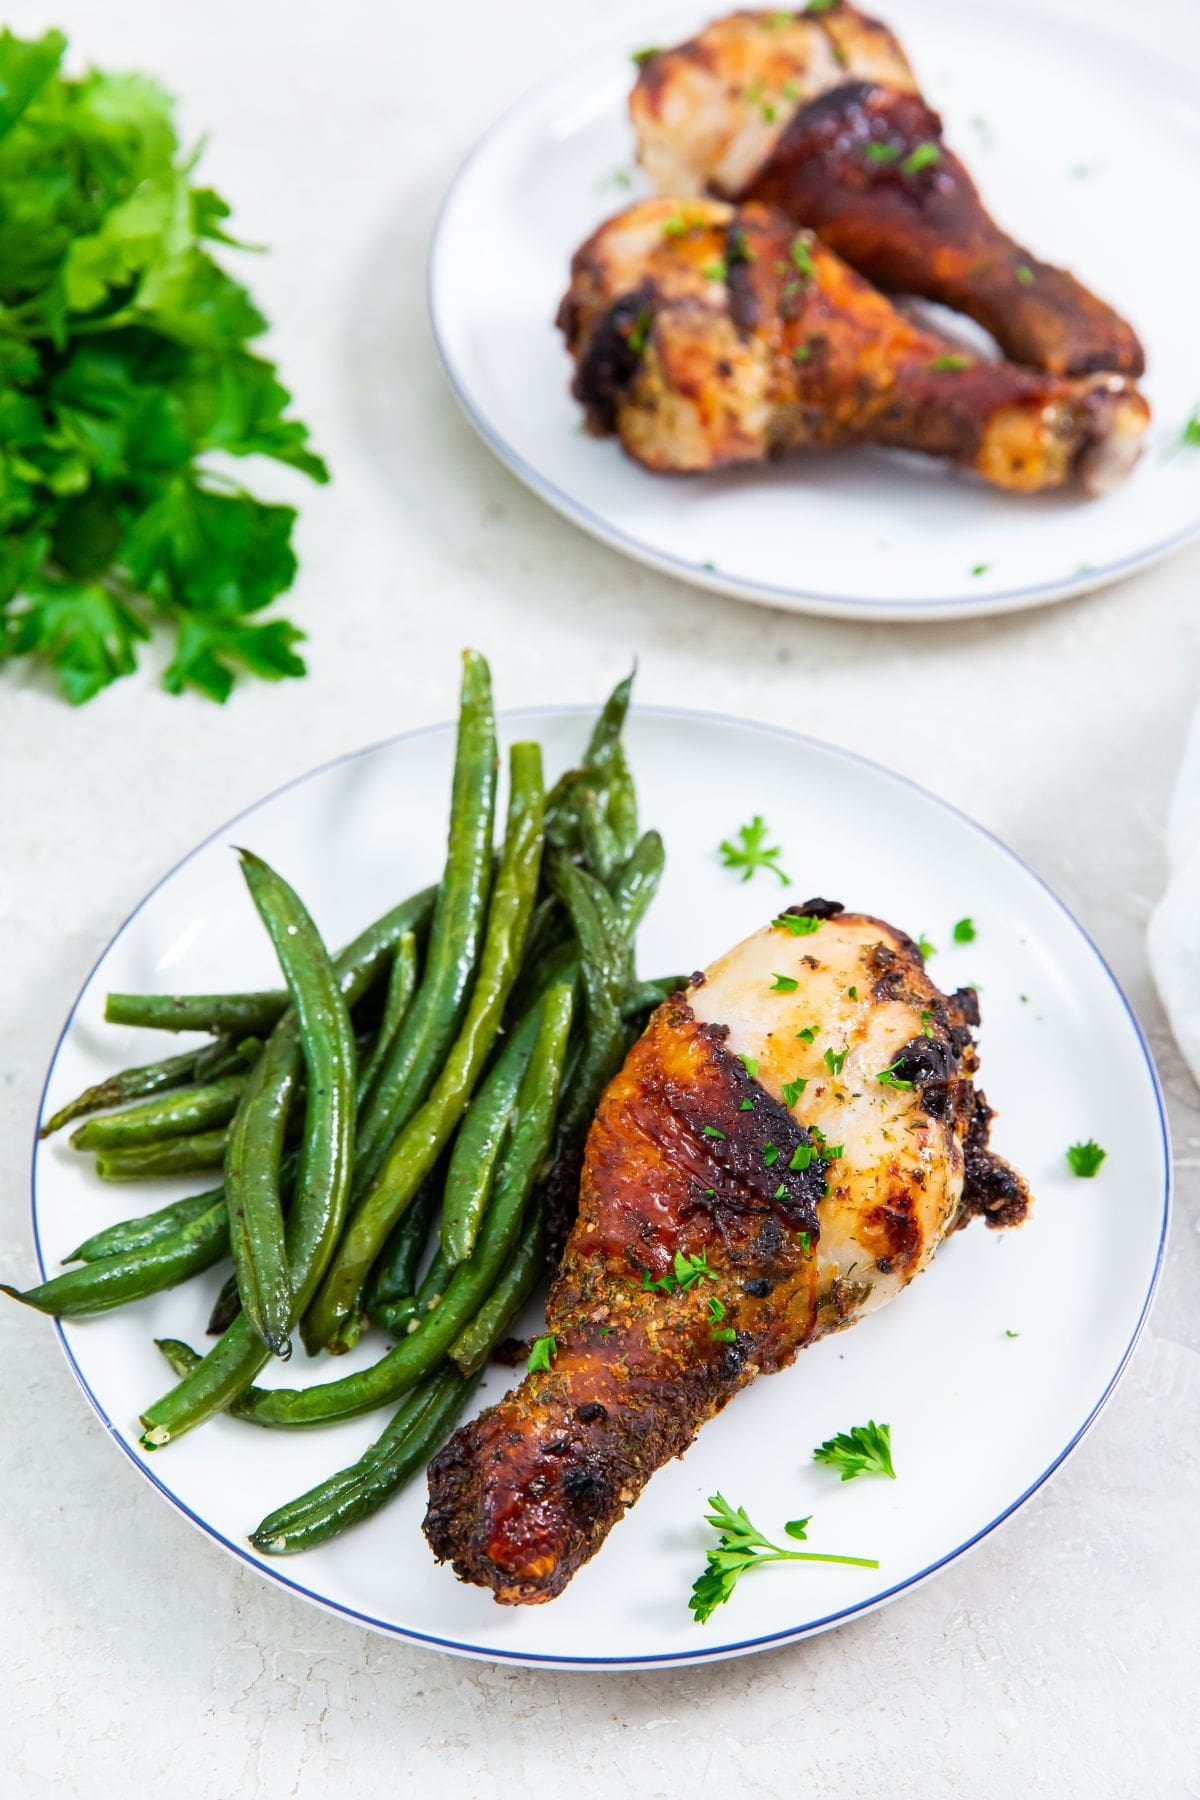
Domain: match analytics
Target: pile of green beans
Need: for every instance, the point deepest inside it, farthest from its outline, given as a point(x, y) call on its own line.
point(385, 1120)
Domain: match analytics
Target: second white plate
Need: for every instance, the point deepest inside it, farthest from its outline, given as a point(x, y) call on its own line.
point(1088, 150)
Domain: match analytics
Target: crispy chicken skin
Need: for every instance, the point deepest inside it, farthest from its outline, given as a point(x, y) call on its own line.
point(820, 114)
point(706, 335)
point(804, 1191)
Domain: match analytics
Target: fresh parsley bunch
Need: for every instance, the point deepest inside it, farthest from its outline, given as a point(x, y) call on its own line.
point(123, 364)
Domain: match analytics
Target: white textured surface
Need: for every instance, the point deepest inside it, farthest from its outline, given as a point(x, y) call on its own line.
point(1064, 1657)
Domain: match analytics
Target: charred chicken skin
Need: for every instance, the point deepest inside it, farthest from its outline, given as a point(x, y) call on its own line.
point(783, 1150)
point(820, 114)
point(706, 335)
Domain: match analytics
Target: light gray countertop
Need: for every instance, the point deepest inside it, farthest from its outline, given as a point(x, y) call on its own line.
point(1063, 1657)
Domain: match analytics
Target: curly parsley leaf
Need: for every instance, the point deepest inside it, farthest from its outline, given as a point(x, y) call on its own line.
point(542, 1355)
point(863, 1450)
point(124, 367)
point(741, 1546)
point(752, 852)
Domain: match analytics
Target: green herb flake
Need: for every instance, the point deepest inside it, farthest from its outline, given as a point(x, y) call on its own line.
point(792, 1090)
point(724, 1334)
point(951, 362)
point(543, 1353)
point(716, 270)
point(927, 1021)
point(1025, 275)
point(691, 1269)
point(777, 20)
point(771, 1155)
point(889, 1078)
point(712, 1132)
point(802, 353)
point(801, 259)
point(820, 6)
point(716, 1309)
point(925, 156)
point(981, 568)
point(802, 1156)
point(753, 852)
point(640, 331)
point(784, 984)
point(925, 947)
point(750, 1064)
point(781, 1191)
point(1190, 435)
point(964, 931)
point(881, 153)
point(799, 924)
point(1085, 1159)
point(835, 1060)
point(746, 1106)
point(640, 58)
point(806, 1241)
point(863, 1450)
point(853, 993)
point(1012, 1334)
point(740, 1545)
point(807, 1034)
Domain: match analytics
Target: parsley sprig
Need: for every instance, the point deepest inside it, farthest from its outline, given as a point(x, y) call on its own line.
point(542, 1355)
point(742, 1546)
point(863, 1450)
point(125, 365)
point(1085, 1159)
point(753, 852)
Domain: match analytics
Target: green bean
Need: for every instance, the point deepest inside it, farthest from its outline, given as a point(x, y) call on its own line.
point(254, 1190)
point(225, 1308)
point(423, 1138)
point(420, 1351)
point(399, 1317)
point(642, 999)
point(394, 1276)
point(225, 1056)
point(401, 982)
point(599, 766)
point(601, 852)
point(361, 963)
point(244, 1015)
point(480, 1139)
point(408, 1070)
point(178, 1115)
point(605, 977)
point(173, 1156)
point(135, 1234)
point(472, 1347)
point(622, 813)
point(275, 1286)
point(129, 1084)
point(636, 881)
point(354, 1494)
point(239, 1353)
point(131, 1275)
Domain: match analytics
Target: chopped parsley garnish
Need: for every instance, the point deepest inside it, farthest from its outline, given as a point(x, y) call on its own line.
point(835, 1060)
point(790, 90)
point(746, 1106)
point(831, 1152)
point(1085, 1159)
point(853, 992)
point(820, 6)
point(1025, 275)
point(711, 1131)
point(604, 1330)
point(784, 984)
point(950, 362)
point(926, 1017)
point(792, 1090)
point(805, 1240)
point(716, 270)
point(641, 330)
point(981, 568)
point(740, 1544)
point(641, 57)
point(750, 1064)
point(1190, 435)
point(799, 924)
point(863, 1450)
point(753, 852)
point(925, 947)
point(781, 1191)
point(802, 1156)
point(776, 20)
point(801, 258)
point(542, 1354)
point(881, 153)
point(1011, 1334)
point(802, 352)
point(964, 931)
point(677, 226)
point(807, 1033)
point(724, 1334)
point(925, 156)
point(771, 1155)
point(889, 1078)
point(716, 1309)
point(691, 1269)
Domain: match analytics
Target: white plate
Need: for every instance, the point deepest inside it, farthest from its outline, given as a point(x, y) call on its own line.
point(1088, 150)
point(978, 1419)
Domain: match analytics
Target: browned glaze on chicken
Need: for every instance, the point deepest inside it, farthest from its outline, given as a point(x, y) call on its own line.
point(706, 335)
point(819, 113)
point(746, 1189)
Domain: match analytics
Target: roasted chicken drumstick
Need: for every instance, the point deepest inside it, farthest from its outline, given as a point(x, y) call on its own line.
point(706, 335)
point(819, 113)
point(784, 1149)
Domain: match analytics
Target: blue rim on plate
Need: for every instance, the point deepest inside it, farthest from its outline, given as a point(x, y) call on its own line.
point(1170, 77)
point(714, 1652)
